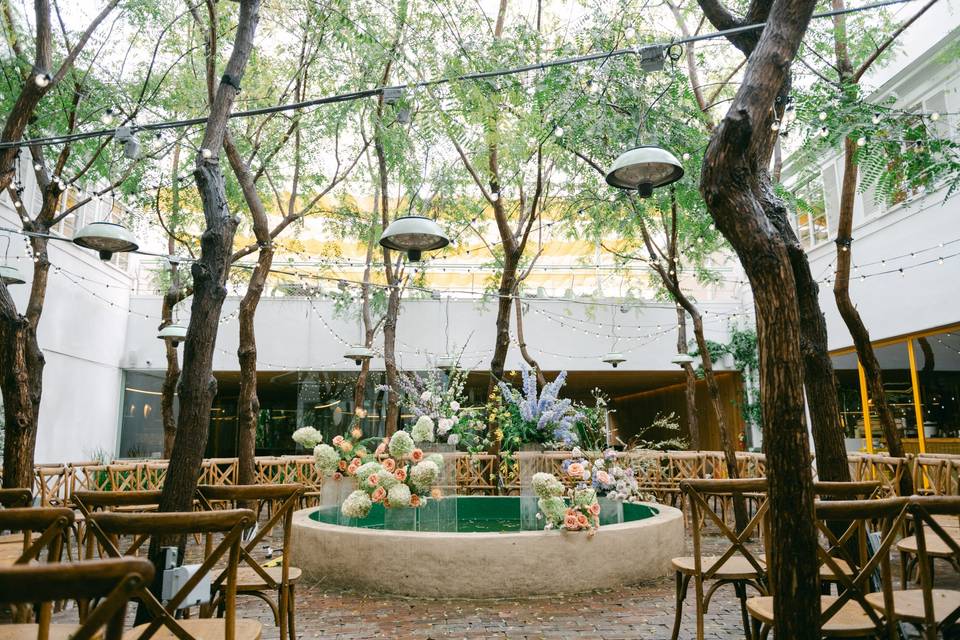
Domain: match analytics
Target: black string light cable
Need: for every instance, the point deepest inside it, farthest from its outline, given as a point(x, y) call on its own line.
point(477, 75)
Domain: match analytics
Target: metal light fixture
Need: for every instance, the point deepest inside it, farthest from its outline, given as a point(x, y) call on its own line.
point(11, 274)
point(446, 363)
point(359, 354)
point(682, 359)
point(106, 238)
point(414, 234)
point(644, 168)
point(175, 333)
point(613, 359)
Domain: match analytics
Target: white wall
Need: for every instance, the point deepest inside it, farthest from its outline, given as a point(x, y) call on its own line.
point(83, 338)
point(293, 334)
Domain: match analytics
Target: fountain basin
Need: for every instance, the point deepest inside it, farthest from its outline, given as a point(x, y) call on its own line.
point(486, 554)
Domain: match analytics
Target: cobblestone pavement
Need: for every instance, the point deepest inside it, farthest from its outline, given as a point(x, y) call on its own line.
point(640, 612)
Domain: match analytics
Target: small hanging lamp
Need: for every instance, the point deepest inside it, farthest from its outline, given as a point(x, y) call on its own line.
point(644, 168)
point(613, 359)
point(682, 359)
point(446, 362)
point(359, 354)
point(11, 274)
point(175, 333)
point(414, 235)
point(106, 238)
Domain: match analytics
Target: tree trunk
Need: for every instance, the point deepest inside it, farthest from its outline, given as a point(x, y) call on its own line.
point(172, 375)
point(360, 388)
point(737, 189)
point(690, 377)
point(508, 282)
point(541, 380)
point(390, 355)
point(248, 404)
point(197, 384)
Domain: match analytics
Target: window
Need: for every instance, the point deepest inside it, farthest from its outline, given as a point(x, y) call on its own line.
point(811, 213)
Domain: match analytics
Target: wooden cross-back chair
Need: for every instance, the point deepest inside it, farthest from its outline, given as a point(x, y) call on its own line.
point(851, 613)
point(219, 471)
point(112, 583)
point(52, 482)
point(253, 578)
point(40, 528)
point(932, 476)
point(15, 498)
point(933, 610)
point(888, 470)
point(737, 565)
point(152, 475)
point(109, 527)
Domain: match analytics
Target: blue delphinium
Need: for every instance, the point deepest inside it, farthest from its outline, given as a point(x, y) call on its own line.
point(555, 417)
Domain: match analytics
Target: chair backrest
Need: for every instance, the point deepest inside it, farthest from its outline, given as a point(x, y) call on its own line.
point(288, 497)
point(109, 526)
point(884, 516)
point(88, 502)
point(111, 582)
point(925, 511)
point(52, 481)
point(53, 524)
point(859, 490)
point(699, 494)
point(15, 498)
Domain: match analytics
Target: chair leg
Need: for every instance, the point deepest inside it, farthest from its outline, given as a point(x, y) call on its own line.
point(741, 590)
point(283, 603)
point(291, 615)
point(755, 626)
point(683, 581)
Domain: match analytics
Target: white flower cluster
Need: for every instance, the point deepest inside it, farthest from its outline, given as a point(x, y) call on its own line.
point(367, 469)
point(422, 431)
point(327, 458)
point(357, 505)
point(399, 495)
point(546, 485)
point(424, 474)
point(307, 437)
point(401, 444)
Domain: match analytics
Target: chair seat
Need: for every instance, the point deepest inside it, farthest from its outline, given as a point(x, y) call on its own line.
point(850, 620)
point(249, 580)
point(908, 604)
point(32, 631)
point(736, 567)
point(203, 628)
point(827, 573)
point(935, 546)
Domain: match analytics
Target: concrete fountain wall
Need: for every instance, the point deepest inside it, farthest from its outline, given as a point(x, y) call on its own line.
point(484, 565)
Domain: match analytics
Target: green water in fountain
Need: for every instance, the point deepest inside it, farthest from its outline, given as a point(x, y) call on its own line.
point(470, 514)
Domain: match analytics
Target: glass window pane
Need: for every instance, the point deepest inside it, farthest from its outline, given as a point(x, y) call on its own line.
point(848, 394)
point(938, 373)
point(898, 388)
point(141, 423)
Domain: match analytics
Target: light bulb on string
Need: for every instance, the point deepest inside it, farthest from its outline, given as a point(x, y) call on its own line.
point(875, 119)
point(775, 125)
point(935, 116)
point(42, 80)
point(822, 116)
point(107, 116)
point(206, 153)
point(823, 132)
point(558, 132)
point(686, 157)
point(861, 141)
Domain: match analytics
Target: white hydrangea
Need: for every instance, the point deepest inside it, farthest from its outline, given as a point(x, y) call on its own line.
point(424, 474)
point(553, 508)
point(388, 480)
point(546, 485)
point(444, 425)
point(401, 444)
point(436, 458)
point(367, 469)
point(326, 458)
point(422, 431)
point(307, 437)
point(357, 505)
point(399, 496)
point(454, 406)
point(453, 440)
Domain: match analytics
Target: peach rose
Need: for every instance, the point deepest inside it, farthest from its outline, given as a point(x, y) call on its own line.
point(381, 448)
point(401, 474)
point(373, 480)
point(352, 469)
point(594, 509)
point(337, 440)
point(356, 462)
point(346, 445)
point(436, 492)
point(414, 500)
point(337, 475)
point(575, 470)
point(356, 432)
point(378, 494)
point(389, 464)
point(342, 465)
point(582, 521)
point(603, 477)
point(416, 455)
point(570, 522)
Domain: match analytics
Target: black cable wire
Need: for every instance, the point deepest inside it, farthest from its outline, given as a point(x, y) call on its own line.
point(477, 75)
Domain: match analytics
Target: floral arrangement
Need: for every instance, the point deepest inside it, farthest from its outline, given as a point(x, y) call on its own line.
point(441, 415)
point(606, 476)
point(307, 437)
point(526, 416)
point(335, 458)
point(574, 509)
point(397, 475)
point(592, 430)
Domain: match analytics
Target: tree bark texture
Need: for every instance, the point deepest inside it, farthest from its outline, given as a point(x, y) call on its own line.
point(197, 384)
point(522, 343)
point(738, 191)
point(690, 379)
point(172, 375)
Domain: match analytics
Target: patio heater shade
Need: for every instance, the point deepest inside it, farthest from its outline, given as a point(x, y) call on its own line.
point(644, 168)
point(414, 235)
point(682, 359)
point(106, 238)
point(11, 274)
point(358, 353)
point(175, 333)
point(613, 359)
